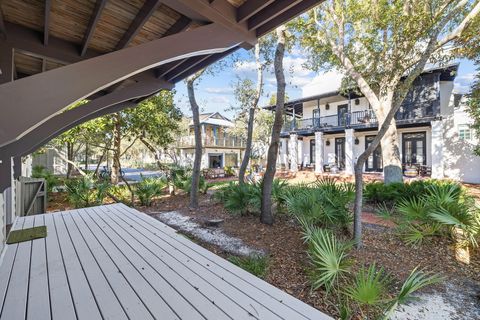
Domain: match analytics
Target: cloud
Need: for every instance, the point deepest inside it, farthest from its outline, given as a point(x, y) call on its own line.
point(463, 83)
point(218, 90)
point(219, 99)
point(322, 83)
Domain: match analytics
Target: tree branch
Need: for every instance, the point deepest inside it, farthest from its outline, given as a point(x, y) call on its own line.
point(462, 26)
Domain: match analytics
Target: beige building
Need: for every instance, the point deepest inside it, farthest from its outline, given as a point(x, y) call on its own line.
point(219, 148)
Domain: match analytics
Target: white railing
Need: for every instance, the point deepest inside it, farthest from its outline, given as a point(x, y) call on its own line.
point(228, 142)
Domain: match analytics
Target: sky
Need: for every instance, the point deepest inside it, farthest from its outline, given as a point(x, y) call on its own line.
point(214, 93)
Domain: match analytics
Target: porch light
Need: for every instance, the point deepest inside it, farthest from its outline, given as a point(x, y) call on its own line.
point(357, 102)
point(327, 106)
point(357, 141)
point(327, 142)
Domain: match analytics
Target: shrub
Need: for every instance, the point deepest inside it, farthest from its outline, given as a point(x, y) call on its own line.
point(86, 191)
point(326, 203)
point(443, 208)
point(328, 257)
point(148, 188)
point(42, 172)
point(121, 193)
point(256, 264)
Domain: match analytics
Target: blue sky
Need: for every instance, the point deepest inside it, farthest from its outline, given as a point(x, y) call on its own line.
point(215, 93)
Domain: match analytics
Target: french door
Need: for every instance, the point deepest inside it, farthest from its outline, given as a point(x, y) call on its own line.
point(374, 162)
point(342, 112)
point(340, 152)
point(414, 149)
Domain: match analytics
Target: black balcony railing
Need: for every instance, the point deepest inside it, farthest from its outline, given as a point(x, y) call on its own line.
point(363, 118)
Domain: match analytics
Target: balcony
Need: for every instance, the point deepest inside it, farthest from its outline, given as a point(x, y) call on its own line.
point(356, 119)
point(223, 142)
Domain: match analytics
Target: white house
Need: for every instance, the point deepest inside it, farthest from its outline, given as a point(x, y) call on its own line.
point(333, 129)
point(220, 149)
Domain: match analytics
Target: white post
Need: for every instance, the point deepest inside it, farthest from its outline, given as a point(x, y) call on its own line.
point(293, 152)
point(437, 149)
point(204, 163)
point(318, 152)
point(283, 153)
point(349, 143)
point(300, 151)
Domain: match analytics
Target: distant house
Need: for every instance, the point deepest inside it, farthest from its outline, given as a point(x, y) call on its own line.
point(331, 130)
point(219, 148)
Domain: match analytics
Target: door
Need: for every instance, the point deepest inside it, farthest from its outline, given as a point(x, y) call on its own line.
point(375, 161)
point(414, 151)
point(312, 151)
point(340, 152)
point(342, 112)
point(215, 160)
point(316, 118)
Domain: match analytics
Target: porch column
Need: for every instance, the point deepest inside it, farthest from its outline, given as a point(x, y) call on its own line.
point(204, 163)
point(300, 152)
point(283, 152)
point(293, 152)
point(318, 152)
point(349, 143)
point(437, 149)
point(2, 223)
point(6, 188)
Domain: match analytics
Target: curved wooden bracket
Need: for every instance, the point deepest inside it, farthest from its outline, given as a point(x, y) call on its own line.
point(31, 101)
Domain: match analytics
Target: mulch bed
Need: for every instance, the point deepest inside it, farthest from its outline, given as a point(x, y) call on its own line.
point(289, 262)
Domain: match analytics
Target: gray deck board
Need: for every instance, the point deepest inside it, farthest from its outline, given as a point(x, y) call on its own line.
point(113, 262)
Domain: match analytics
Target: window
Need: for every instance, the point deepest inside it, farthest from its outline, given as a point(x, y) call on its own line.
point(464, 132)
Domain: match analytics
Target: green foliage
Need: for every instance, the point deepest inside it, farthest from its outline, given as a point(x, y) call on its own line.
point(256, 264)
point(415, 281)
point(86, 191)
point(122, 193)
point(148, 188)
point(369, 287)
point(42, 172)
point(325, 203)
point(328, 257)
point(443, 208)
point(473, 105)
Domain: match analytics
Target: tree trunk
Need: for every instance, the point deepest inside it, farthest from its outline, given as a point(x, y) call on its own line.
point(198, 140)
point(117, 140)
point(392, 164)
point(248, 146)
point(70, 158)
point(251, 116)
point(86, 157)
point(266, 206)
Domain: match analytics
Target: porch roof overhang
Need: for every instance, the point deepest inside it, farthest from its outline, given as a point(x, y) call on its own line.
point(53, 53)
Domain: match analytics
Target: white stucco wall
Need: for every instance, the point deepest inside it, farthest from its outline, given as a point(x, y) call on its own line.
point(459, 161)
point(309, 106)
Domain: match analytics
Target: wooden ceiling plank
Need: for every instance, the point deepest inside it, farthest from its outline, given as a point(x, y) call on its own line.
point(46, 25)
point(3, 30)
point(300, 8)
point(97, 12)
point(180, 25)
point(271, 12)
point(143, 15)
point(250, 8)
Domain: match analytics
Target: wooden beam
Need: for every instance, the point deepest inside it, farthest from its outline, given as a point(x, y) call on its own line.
point(143, 15)
point(205, 63)
point(97, 12)
point(250, 8)
point(185, 66)
point(29, 40)
point(216, 11)
point(291, 13)
point(3, 30)
point(46, 23)
point(169, 67)
point(180, 25)
point(272, 11)
point(6, 64)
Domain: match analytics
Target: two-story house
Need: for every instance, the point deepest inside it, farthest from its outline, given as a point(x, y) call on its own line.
point(330, 130)
point(219, 148)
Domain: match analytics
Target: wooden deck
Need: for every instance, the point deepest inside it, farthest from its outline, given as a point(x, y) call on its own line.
point(113, 262)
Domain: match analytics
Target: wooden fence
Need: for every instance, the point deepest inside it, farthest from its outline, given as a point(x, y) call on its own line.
point(31, 196)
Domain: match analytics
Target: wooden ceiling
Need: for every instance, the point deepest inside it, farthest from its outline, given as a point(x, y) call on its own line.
point(102, 26)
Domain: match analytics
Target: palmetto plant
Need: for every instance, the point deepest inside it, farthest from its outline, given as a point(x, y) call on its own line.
point(148, 188)
point(369, 289)
point(415, 281)
point(444, 208)
point(86, 191)
point(329, 258)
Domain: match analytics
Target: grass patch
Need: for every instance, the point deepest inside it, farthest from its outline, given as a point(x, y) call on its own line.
point(256, 265)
